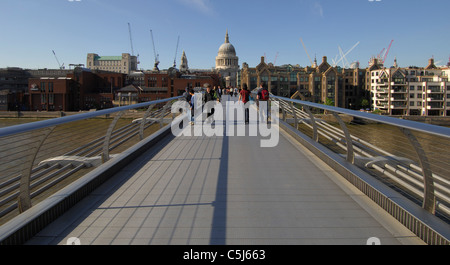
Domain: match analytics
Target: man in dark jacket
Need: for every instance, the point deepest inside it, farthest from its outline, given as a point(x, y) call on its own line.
point(209, 96)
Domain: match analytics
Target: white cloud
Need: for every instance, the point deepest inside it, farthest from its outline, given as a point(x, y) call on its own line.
point(202, 6)
point(318, 9)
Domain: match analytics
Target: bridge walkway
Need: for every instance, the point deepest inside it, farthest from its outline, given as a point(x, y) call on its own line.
point(225, 190)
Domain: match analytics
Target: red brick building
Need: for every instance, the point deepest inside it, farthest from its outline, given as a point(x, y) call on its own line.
point(80, 89)
point(53, 94)
point(147, 86)
point(83, 89)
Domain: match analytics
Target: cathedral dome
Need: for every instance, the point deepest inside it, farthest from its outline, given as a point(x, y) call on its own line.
point(227, 63)
point(227, 48)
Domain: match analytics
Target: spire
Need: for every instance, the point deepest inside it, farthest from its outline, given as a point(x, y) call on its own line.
point(184, 63)
point(227, 39)
point(315, 62)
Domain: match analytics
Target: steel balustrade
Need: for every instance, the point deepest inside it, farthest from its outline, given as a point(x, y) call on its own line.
point(37, 157)
point(418, 179)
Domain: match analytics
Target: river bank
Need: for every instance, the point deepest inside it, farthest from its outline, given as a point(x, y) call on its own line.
point(52, 114)
point(38, 115)
point(440, 121)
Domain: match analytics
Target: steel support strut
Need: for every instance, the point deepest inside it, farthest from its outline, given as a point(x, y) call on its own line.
point(144, 120)
point(313, 123)
point(105, 155)
point(163, 113)
point(348, 139)
point(429, 197)
point(294, 113)
point(24, 200)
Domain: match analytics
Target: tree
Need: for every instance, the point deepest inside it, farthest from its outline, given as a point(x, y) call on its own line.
point(364, 103)
point(329, 102)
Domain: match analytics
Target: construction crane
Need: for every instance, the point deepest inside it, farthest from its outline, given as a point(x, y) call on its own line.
point(276, 57)
point(131, 39)
point(306, 51)
point(343, 56)
point(382, 57)
point(387, 52)
point(381, 54)
point(176, 51)
point(154, 51)
point(60, 66)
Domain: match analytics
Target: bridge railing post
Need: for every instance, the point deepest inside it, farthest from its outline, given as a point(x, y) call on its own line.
point(348, 139)
point(429, 197)
point(105, 154)
point(283, 110)
point(144, 121)
point(294, 113)
point(24, 199)
point(163, 113)
point(313, 123)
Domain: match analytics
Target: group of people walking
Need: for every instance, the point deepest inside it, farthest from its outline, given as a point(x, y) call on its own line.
point(216, 94)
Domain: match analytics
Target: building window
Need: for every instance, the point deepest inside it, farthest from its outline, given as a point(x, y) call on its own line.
point(152, 81)
point(265, 78)
point(411, 103)
point(50, 87)
point(42, 87)
point(293, 78)
point(43, 99)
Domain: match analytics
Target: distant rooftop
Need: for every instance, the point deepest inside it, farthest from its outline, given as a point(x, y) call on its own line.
point(108, 58)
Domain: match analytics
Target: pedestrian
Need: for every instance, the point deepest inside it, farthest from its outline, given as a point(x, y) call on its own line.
point(209, 96)
point(192, 104)
point(263, 96)
point(216, 94)
point(220, 91)
point(187, 95)
point(244, 96)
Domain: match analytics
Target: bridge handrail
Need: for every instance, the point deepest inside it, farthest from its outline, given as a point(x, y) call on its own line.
point(22, 128)
point(412, 125)
point(417, 177)
point(27, 172)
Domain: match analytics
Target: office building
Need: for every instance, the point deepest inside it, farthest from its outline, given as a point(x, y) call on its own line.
point(125, 63)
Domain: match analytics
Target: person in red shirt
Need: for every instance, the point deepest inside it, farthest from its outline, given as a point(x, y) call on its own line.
point(244, 96)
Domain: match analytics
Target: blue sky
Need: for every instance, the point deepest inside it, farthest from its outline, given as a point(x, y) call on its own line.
point(31, 29)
